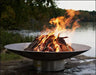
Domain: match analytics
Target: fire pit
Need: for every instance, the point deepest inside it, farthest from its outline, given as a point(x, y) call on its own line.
point(47, 61)
point(49, 50)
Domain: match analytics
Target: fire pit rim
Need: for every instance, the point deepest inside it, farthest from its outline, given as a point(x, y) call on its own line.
point(46, 56)
point(43, 51)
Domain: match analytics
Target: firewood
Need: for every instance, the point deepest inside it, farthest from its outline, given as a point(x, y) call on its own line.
point(46, 43)
point(61, 41)
point(33, 44)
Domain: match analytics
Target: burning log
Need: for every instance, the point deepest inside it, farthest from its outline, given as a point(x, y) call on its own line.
point(63, 44)
point(48, 44)
point(61, 40)
point(49, 40)
point(33, 44)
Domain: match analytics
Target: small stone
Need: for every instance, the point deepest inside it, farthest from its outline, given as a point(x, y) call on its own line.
point(73, 59)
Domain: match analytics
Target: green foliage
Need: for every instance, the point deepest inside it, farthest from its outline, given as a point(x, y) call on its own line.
point(33, 14)
point(86, 16)
point(8, 18)
point(9, 38)
point(17, 14)
point(9, 56)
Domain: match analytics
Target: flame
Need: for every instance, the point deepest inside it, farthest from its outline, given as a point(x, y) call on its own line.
point(64, 27)
point(62, 23)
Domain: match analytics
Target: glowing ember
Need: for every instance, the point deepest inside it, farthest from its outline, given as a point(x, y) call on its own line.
point(55, 38)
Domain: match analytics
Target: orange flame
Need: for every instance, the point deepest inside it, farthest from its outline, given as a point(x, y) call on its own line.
point(64, 26)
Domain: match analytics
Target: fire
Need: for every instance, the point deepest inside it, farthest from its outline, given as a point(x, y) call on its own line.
point(55, 38)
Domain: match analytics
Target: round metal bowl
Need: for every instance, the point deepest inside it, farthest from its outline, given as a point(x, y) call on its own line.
point(18, 48)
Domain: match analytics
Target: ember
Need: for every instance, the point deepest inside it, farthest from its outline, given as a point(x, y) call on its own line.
point(55, 39)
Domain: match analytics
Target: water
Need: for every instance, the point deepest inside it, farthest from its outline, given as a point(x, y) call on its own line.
point(83, 35)
point(86, 36)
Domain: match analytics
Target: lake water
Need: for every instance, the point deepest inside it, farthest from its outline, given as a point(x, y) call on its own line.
point(83, 35)
point(87, 37)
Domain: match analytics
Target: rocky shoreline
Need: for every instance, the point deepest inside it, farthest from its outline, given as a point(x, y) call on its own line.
point(78, 65)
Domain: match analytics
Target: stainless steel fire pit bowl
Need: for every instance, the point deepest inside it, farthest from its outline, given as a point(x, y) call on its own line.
point(47, 61)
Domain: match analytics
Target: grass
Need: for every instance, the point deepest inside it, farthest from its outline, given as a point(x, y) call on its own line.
point(9, 56)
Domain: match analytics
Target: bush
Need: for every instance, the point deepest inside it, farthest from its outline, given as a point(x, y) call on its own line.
point(8, 38)
point(9, 56)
